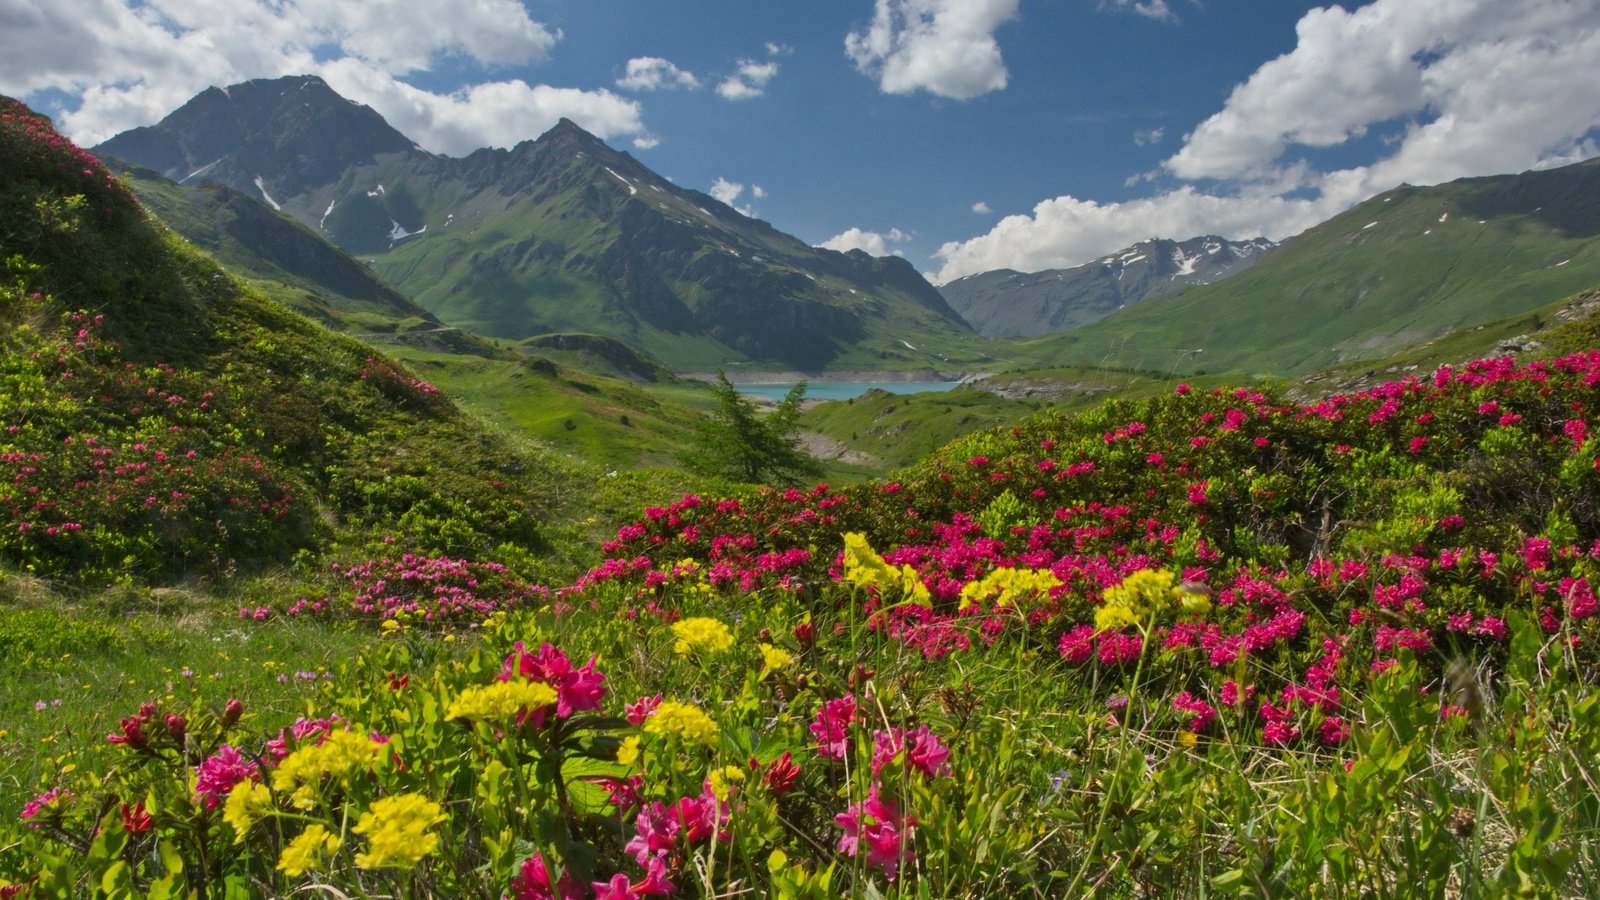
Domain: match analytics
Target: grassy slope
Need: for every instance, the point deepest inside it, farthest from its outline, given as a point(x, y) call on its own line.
point(1405, 267)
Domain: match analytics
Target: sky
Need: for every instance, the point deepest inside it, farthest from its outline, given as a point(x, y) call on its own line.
point(964, 135)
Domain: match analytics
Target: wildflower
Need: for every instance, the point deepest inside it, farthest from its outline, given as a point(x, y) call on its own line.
point(655, 883)
point(877, 822)
point(628, 750)
point(217, 775)
point(685, 720)
point(921, 747)
point(308, 851)
point(503, 701)
point(720, 782)
point(340, 754)
point(832, 726)
point(533, 882)
point(246, 804)
point(1008, 585)
point(396, 829)
point(641, 710)
point(775, 658)
point(576, 689)
point(135, 818)
point(701, 634)
point(781, 774)
point(45, 804)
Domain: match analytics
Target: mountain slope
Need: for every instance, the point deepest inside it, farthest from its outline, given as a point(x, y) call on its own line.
point(558, 234)
point(1406, 266)
point(1006, 303)
point(251, 239)
point(163, 421)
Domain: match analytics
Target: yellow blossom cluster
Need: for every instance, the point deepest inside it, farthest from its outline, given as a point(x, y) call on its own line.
point(721, 781)
point(775, 658)
point(308, 850)
point(863, 566)
point(684, 720)
point(247, 803)
point(396, 829)
point(1008, 586)
point(339, 754)
point(1139, 597)
point(700, 634)
point(500, 701)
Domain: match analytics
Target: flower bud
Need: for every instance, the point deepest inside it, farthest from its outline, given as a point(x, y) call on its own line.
point(231, 712)
point(176, 726)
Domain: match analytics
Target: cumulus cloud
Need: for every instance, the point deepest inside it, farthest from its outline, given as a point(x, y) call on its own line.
point(1145, 138)
point(750, 80)
point(1150, 9)
point(646, 142)
point(779, 49)
point(944, 47)
point(652, 73)
point(1468, 87)
point(726, 191)
point(981, 208)
point(873, 242)
point(758, 192)
point(130, 63)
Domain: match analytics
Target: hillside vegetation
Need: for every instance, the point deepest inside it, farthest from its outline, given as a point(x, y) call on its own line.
point(1206, 642)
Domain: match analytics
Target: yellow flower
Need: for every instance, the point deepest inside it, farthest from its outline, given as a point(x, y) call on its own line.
point(1110, 618)
point(341, 753)
point(1007, 586)
point(306, 851)
point(1143, 595)
point(684, 720)
point(863, 565)
point(775, 658)
point(396, 829)
point(1194, 598)
point(1187, 739)
point(722, 781)
point(700, 633)
point(502, 700)
point(247, 803)
point(628, 752)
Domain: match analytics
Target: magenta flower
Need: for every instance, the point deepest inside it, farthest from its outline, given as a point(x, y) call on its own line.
point(655, 883)
point(576, 689)
point(832, 726)
point(217, 775)
point(638, 712)
point(876, 822)
point(44, 803)
point(533, 882)
point(922, 748)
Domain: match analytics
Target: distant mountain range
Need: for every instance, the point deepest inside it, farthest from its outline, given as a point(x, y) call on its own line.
point(1409, 265)
point(1005, 303)
point(554, 235)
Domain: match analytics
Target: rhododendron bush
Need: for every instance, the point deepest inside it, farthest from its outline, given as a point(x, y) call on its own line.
point(1210, 642)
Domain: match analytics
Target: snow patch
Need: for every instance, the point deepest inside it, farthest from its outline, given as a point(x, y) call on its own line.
point(326, 212)
point(398, 233)
point(198, 172)
point(909, 347)
point(1427, 231)
point(262, 187)
point(377, 193)
point(1186, 264)
point(1368, 225)
point(631, 189)
point(1560, 264)
point(1444, 217)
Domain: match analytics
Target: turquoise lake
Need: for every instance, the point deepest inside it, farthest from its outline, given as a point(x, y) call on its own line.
point(844, 390)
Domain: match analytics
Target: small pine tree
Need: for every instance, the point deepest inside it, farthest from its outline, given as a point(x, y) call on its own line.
point(737, 442)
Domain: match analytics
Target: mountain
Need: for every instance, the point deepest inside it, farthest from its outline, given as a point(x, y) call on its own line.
point(557, 234)
point(1005, 303)
point(294, 263)
point(1409, 265)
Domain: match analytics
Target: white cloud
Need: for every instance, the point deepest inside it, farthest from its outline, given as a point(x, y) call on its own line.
point(652, 73)
point(1471, 87)
point(873, 242)
point(1150, 136)
point(131, 63)
point(646, 142)
point(779, 49)
point(944, 47)
point(758, 192)
point(1150, 9)
point(749, 81)
point(726, 191)
point(981, 208)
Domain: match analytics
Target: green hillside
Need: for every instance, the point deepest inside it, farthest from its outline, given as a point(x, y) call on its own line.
point(164, 421)
point(1407, 266)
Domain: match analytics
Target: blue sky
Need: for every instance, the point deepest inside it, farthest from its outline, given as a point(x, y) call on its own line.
point(964, 134)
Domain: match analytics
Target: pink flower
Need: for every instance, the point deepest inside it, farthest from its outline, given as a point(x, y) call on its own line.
point(638, 712)
point(576, 689)
point(877, 822)
point(655, 883)
point(832, 726)
point(781, 774)
point(533, 882)
point(217, 775)
point(43, 803)
point(922, 748)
